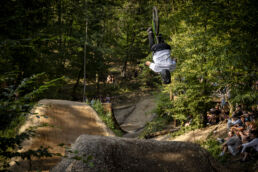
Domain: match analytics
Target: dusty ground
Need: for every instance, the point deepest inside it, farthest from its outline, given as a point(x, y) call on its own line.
point(134, 116)
point(67, 120)
point(219, 130)
point(71, 119)
point(233, 163)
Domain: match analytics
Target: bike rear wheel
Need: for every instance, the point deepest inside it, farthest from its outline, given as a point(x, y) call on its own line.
point(155, 22)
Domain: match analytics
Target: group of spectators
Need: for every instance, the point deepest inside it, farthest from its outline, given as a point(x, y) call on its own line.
point(219, 113)
point(106, 99)
point(242, 133)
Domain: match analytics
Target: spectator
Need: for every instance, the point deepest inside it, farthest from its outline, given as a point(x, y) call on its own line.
point(230, 134)
point(232, 144)
point(223, 115)
point(189, 120)
point(250, 147)
point(238, 112)
point(109, 79)
point(233, 121)
point(239, 126)
point(107, 99)
point(92, 102)
point(253, 114)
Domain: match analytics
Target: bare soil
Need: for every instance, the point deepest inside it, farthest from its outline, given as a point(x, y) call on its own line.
point(66, 121)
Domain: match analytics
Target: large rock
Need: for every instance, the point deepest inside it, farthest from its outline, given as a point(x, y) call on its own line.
point(123, 154)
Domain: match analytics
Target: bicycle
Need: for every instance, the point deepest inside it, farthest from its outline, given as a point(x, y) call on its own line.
point(155, 23)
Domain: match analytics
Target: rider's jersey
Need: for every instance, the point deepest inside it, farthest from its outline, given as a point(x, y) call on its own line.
point(162, 60)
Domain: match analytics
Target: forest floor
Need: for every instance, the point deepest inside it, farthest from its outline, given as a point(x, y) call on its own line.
point(134, 113)
point(134, 110)
point(133, 117)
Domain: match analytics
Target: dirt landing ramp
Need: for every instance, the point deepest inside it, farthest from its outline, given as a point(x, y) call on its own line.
point(132, 118)
point(67, 120)
point(124, 154)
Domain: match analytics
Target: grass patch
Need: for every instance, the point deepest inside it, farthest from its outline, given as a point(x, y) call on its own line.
point(183, 130)
point(157, 124)
point(105, 117)
point(214, 148)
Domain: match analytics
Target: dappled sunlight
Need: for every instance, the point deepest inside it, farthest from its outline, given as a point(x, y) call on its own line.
point(63, 122)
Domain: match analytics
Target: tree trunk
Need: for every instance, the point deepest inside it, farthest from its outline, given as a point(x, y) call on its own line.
point(76, 85)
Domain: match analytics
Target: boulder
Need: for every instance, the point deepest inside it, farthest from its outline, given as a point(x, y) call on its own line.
point(124, 154)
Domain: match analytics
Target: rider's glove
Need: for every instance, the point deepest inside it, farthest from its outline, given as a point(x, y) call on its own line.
point(149, 30)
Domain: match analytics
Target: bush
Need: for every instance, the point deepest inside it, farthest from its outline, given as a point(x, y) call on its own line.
point(16, 102)
point(157, 124)
point(214, 148)
point(105, 117)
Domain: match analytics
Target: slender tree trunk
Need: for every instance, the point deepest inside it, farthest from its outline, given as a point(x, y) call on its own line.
point(76, 84)
point(205, 91)
point(85, 54)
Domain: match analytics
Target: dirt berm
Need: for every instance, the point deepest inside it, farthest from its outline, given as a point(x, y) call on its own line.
point(124, 154)
point(66, 120)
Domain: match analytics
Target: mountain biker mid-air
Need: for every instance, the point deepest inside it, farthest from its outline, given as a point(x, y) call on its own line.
point(162, 62)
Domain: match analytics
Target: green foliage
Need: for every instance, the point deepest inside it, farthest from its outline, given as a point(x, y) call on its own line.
point(163, 105)
point(15, 104)
point(16, 101)
point(214, 42)
point(106, 117)
point(215, 49)
point(214, 148)
point(183, 130)
point(157, 124)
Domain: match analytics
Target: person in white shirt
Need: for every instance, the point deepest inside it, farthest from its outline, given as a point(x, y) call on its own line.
point(162, 62)
point(250, 146)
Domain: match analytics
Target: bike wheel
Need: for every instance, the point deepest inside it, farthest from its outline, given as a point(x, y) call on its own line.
point(155, 22)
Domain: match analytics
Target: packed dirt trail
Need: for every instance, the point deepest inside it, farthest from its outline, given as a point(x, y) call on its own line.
point(219, 130)
point(133, 117)
point(67, 120)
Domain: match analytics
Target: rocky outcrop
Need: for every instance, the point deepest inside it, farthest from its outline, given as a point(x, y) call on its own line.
point(123, 154)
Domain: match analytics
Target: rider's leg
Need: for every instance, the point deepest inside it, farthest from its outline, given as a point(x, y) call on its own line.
point(160, 39)
point(150, 37)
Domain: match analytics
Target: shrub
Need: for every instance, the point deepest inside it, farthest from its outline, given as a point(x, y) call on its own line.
point(16, 102)
point(106, 117)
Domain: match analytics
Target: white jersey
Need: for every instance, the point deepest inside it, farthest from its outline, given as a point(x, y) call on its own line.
point(162, 60)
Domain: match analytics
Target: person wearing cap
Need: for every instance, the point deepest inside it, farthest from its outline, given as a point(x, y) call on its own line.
point(162, 62)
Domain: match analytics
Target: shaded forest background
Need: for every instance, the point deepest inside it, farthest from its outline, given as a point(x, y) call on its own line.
point(214, 42)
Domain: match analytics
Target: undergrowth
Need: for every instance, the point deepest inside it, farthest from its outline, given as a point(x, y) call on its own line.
point(157, 124)
point(214, 148)
point(16, 101)
point(105, 117)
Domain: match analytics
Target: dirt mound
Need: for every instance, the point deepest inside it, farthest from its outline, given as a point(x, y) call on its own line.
point(124, 154)
point(134, 117)
point(66, 121)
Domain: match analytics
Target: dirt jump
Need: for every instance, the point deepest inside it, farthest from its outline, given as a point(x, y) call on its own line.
point(78, 126)
point(66, 121)
point(134, 116)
